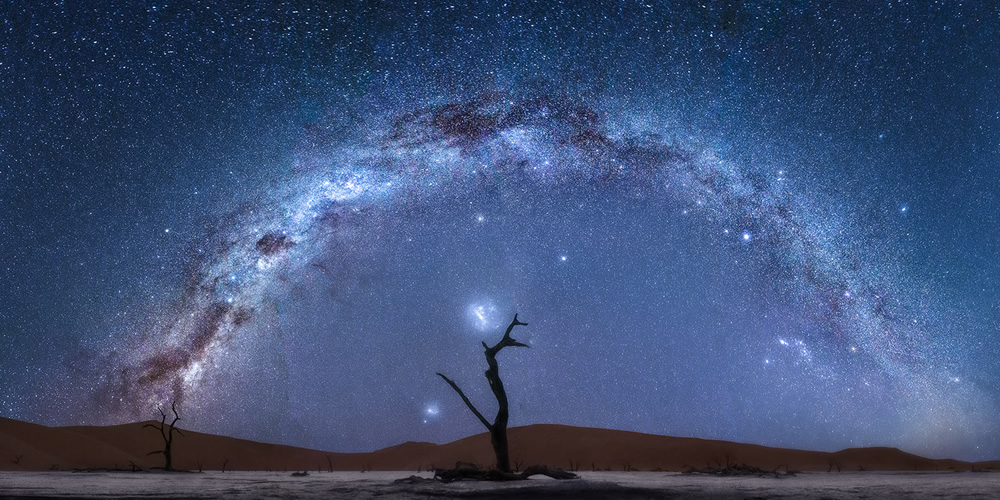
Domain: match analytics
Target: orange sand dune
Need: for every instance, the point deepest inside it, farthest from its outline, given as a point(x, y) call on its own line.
point(26, 446)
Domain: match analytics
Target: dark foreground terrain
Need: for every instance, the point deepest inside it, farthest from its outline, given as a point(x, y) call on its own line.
point(593, 485)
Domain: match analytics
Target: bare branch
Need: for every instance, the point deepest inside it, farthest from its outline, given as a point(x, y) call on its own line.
point(154, 452)
point(507, 341)
point(510, 327)
point(173, 407)
point(467, 402)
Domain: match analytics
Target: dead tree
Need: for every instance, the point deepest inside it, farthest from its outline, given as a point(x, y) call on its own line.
point(167, 432)
point(498, 429)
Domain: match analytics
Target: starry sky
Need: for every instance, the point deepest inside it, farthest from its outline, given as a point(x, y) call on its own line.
point(772, 222)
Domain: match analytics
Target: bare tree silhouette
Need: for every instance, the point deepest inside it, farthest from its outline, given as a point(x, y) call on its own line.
point(167, 432)
point(498, 428)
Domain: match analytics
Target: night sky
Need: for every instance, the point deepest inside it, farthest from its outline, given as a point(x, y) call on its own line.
point(774, 223)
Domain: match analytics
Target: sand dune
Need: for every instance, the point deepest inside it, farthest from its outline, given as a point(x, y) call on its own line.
point(31, 447)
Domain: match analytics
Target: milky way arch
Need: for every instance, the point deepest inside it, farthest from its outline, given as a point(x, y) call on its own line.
point(543, 143)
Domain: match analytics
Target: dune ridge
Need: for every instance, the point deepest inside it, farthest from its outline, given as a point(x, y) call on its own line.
point(26, 446)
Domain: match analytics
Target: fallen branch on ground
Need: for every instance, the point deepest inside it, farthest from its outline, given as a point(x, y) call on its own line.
point(739, 470)
point(476, 474)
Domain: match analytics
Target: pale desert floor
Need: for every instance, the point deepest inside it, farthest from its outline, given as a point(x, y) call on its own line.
point(627, 485)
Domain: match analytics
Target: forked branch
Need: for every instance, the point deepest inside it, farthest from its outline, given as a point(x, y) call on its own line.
point(506, 341)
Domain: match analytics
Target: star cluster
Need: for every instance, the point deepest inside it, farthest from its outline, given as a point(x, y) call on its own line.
point(764, 223)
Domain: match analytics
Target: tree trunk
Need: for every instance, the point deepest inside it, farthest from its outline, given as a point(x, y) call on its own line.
point(498, 431)
point(168, 458)
point(498, 437)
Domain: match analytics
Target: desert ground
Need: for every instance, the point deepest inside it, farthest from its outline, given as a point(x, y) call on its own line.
point(31, 447)
point(592, 485)
point(111, 462)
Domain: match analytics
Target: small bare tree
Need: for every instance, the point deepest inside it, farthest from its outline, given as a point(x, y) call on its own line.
point(167, 432)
